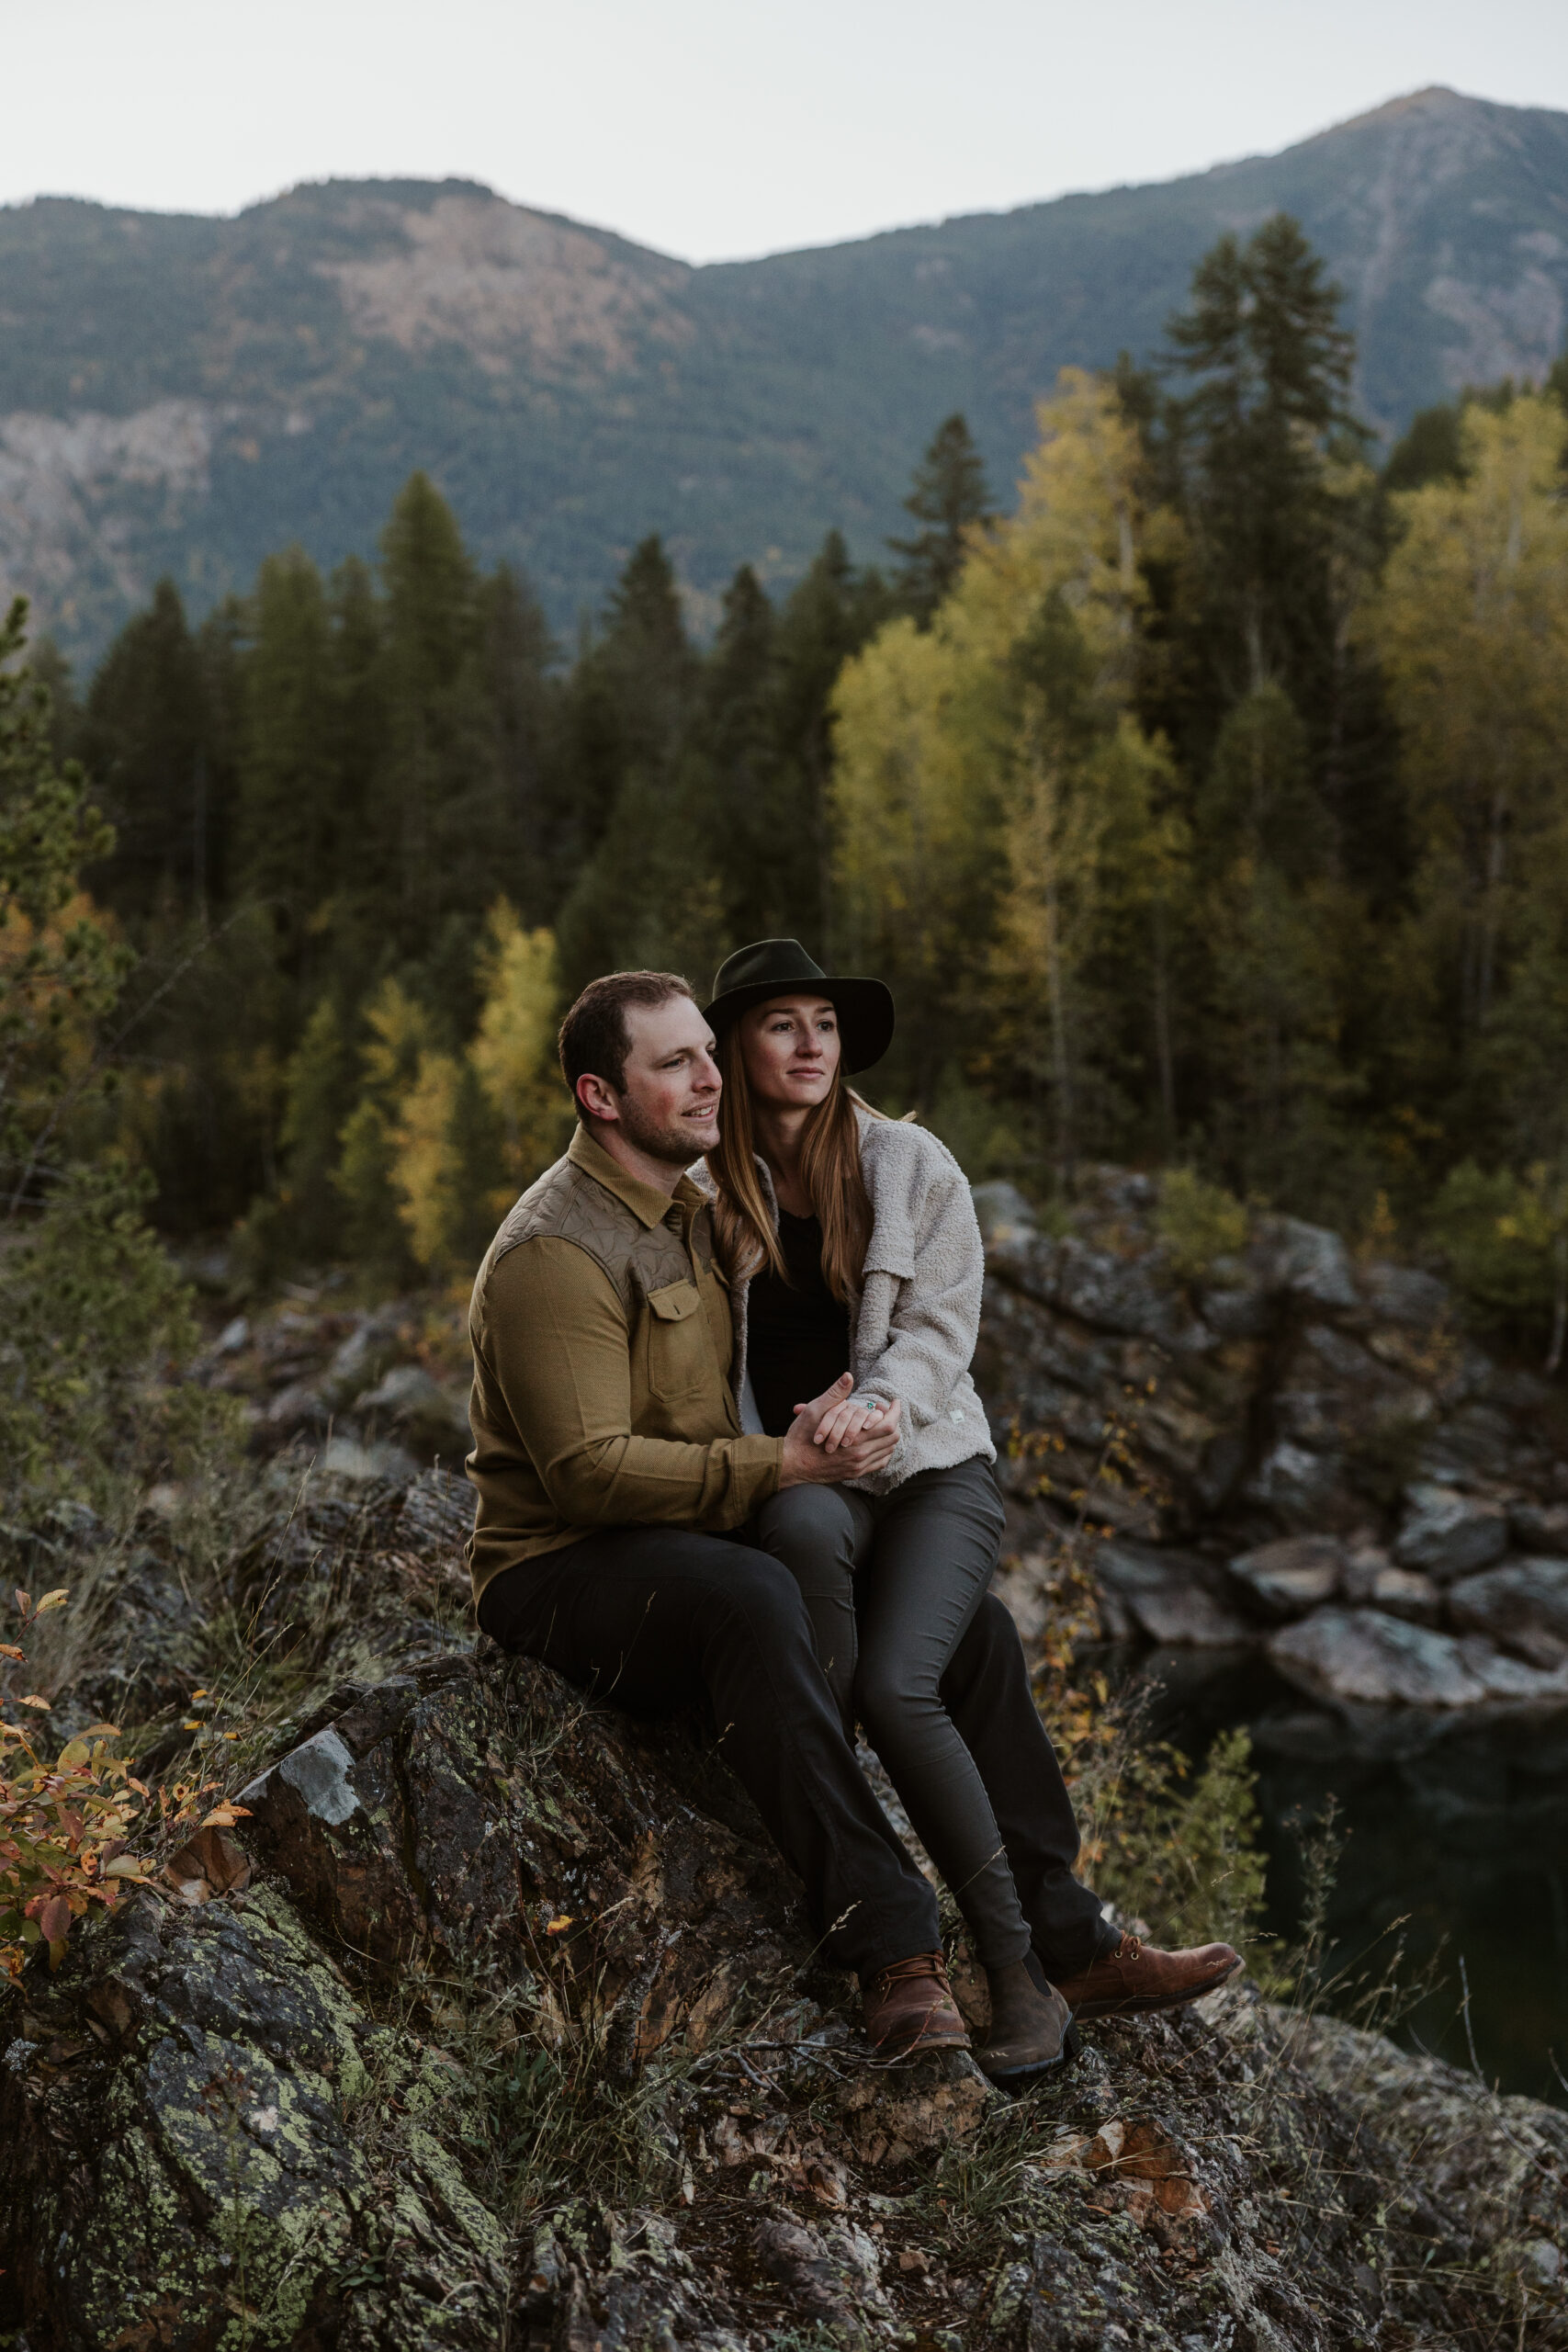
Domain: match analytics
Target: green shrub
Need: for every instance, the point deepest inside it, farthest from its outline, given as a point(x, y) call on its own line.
point(93, 1311)
point(1504, 1235)
point(1198, 1222)
point(1182, 1850)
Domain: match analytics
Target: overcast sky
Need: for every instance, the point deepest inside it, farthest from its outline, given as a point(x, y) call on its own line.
point(715, 129)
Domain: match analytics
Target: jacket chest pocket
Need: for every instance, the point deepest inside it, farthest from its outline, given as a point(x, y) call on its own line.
point(676, 1331)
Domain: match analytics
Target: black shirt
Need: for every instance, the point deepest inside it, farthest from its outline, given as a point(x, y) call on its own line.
point(797, 1338)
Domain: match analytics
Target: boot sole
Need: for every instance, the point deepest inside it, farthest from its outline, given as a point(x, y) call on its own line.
point(1002, 2075)
point(1144, 2003)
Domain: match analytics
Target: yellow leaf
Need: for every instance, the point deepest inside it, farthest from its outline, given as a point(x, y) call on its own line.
point(55, 1600)
point(558, 1926)
point(32, 1700)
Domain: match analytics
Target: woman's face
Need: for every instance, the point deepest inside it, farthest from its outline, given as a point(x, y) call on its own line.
point(790, 1047)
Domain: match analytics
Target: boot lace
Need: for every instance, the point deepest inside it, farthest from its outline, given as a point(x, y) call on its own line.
point(921, 1963)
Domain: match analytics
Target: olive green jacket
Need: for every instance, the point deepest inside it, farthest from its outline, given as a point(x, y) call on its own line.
point(603, 1344)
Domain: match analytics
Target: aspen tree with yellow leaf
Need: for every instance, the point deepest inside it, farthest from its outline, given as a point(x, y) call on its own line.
point(1471, 625)
point(994, 793)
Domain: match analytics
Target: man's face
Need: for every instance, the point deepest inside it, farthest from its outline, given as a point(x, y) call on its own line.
point(669, 1104)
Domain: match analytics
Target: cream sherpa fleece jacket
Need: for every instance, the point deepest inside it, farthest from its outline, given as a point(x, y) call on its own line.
point(914, 1324)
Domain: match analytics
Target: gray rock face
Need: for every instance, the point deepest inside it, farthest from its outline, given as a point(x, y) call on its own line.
point(197, 2091)
point(1362, 1657)
point(1372, 1581)
point(1522, 1607)
point(1310, 1399)
point(1447, 1534)
point(1172, 1597)
point(1003, 1213)
point(1306, 1261)
point(1284, 1580)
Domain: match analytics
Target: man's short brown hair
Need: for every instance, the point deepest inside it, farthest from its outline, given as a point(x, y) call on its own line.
point(593, 1038)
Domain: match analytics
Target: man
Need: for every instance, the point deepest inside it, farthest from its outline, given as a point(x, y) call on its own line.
point(614, 1487)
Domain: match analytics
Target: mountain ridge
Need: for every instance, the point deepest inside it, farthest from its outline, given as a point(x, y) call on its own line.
point(182, 392)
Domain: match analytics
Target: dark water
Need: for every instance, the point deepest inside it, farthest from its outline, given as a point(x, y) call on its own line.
point(1460, 1831)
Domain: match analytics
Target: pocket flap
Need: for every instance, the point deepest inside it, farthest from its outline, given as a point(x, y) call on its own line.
point(675, 1302)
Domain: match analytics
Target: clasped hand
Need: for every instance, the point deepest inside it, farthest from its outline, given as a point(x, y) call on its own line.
point(834, 1438)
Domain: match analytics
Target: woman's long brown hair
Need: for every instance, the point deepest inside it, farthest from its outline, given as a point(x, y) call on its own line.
point(830, 1168)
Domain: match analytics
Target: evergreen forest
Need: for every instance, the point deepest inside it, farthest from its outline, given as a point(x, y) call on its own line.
point(1204, 801)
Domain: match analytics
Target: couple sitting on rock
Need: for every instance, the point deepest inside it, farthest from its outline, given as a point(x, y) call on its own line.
point(727, 1450)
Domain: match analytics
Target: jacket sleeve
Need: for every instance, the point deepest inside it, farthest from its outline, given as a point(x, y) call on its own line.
point(555, 1343)
point(934, 1316)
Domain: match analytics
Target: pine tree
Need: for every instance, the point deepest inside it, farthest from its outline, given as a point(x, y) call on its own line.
point(440, 842)
point(635, 900)
point(319, 1095)
point(59, 969)
point(951, 498)
point(518, 655)
point(288, 796)
point(144, 741)
point(1271, 368)
point(830, 613)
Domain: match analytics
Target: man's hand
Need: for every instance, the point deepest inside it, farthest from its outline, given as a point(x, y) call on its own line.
point(831, 1440)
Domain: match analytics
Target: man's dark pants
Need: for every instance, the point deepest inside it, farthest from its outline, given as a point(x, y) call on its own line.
point(654, 1619)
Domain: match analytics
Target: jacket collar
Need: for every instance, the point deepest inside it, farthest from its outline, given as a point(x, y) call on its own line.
point(647, 1203)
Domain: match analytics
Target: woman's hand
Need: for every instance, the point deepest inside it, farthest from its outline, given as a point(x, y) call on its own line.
point(843, 1422)
point(857, 1452)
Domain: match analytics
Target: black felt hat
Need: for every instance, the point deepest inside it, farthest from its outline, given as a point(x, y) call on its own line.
point(770, 967)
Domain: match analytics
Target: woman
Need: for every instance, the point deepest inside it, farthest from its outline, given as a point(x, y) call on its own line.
point(850, 1244)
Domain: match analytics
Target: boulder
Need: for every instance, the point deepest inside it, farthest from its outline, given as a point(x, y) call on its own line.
point(1404, 1297)
point(1522, 1607)
point(1285, 1579)
point(1447, 1534)
point(1302, 1488)
point(1361, 1657)
point(1540, 1527)
point(295, 1411)
point(424, 1417)
point(1372, 1581)
point(1002, 1212)
point(1306, 1261)
point(1172, 1597)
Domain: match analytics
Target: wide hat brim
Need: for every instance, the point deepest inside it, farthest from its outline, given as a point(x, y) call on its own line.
point(865, 1008)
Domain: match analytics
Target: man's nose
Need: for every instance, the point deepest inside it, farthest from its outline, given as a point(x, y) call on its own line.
point(708, 1078)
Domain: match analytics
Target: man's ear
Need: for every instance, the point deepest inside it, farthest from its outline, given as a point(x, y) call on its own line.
point(596, 1098)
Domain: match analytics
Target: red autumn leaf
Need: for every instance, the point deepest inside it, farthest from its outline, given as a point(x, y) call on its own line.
point(54, 1919)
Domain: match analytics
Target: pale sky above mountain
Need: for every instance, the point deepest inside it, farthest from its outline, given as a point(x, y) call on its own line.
point(719, 128)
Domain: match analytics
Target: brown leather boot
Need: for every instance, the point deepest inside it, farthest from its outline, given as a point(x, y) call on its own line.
point(1028, 2029)
point(1135, 1977)
point(910, 2005)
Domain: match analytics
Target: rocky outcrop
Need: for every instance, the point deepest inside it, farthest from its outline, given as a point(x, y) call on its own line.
point(1297, 1451)
point(511, 2033)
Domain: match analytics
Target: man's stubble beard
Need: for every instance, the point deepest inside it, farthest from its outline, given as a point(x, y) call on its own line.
point(672, 1144)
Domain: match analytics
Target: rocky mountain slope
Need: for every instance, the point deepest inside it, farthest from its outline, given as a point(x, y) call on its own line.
point(185, 394)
